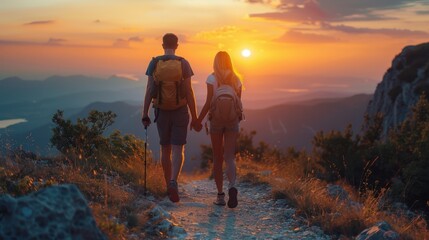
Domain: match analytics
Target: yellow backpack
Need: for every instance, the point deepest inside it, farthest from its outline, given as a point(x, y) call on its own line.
point(170, 90)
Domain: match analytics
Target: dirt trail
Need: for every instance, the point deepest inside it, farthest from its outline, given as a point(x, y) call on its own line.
point(257, 216)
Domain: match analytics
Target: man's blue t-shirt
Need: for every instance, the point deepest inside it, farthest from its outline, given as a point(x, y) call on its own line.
point(186, 68)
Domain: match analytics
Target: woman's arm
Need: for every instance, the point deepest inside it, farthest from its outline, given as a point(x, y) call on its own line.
point(190, 97)
point(206, 106)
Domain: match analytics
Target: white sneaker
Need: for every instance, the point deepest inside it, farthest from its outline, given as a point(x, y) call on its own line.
point(220, 199)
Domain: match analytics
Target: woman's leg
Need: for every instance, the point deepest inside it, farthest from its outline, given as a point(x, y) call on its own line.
point(217, 146)
point(230, 147)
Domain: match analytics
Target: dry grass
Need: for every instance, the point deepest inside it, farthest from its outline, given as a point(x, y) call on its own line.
point(114, 193)
point(336, 217)
point(252, 172)
point(155, 180)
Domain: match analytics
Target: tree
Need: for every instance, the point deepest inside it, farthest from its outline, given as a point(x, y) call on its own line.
point(84, 137)
point(337, 153)
point(411, 143)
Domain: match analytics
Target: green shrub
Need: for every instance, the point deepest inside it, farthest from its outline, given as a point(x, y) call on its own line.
point(338, 154)
point(85, 144)
point(411, 141)
point(85, 137)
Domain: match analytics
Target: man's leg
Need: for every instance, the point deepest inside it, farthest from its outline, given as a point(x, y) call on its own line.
point(175, 168)
point(179, 130)
point(166, 162)
point(178, 155)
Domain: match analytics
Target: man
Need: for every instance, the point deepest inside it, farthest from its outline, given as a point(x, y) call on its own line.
point(169, 87)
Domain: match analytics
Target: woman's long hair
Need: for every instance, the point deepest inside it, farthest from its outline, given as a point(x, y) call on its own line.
point(224, 71)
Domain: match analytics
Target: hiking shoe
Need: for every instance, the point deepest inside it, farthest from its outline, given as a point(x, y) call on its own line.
point(232, 201)
point(220, 199)
point(173, 191)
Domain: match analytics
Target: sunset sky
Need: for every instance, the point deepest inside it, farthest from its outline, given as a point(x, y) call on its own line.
point(296, 45)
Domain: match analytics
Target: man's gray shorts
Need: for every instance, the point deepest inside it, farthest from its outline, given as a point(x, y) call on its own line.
point(173, 126)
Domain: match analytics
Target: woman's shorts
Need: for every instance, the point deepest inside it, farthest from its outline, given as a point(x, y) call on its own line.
point(221, 128)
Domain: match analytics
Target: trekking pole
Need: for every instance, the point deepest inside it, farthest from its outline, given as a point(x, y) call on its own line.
point(145, 156)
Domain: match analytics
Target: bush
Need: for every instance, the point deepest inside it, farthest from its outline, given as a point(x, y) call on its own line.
point(85, 144)
point(338, 154)
point(411, 141)
point(370, 163)
point(84, 138)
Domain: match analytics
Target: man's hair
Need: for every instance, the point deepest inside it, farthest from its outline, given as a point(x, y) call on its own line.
point(169, 41)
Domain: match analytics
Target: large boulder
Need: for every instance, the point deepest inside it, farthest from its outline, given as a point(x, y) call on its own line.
point(402, 84)
point(56, 212)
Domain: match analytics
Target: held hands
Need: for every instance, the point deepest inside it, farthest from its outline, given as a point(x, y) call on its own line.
point(196, 125)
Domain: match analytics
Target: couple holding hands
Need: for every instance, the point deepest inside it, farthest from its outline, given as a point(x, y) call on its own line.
point(169, 89)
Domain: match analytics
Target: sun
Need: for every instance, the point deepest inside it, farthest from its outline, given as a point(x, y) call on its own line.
point(246, 53)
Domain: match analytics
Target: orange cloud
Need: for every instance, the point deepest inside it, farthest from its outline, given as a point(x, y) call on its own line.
point(221, 33)
point(56, 41)
point(45, 22)
point(293, 36)
point(391, 32)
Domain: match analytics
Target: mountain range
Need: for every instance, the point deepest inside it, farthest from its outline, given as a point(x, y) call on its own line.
point(291, 123)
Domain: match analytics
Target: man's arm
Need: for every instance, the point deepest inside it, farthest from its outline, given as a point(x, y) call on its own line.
point(147, 101)
point(190, 97)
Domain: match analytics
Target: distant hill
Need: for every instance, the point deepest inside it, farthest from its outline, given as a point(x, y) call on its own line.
point(37, 101)
point(296, 123)
point(282, 126)
point(16, 90)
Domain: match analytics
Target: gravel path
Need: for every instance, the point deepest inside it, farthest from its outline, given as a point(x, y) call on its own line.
point(257, 216)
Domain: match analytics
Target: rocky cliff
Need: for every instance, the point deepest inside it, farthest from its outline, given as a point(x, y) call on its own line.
point(402, 84)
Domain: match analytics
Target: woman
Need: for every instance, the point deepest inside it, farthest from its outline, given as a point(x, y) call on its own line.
point(223, 136)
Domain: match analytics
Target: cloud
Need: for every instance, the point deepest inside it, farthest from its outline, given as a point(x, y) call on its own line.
point(126, 43)
point(294, 36)
point(14, 42)
point(423, 12)
point(308, 11)
point(56, 41)
point(50, 42)
point(259, 1)
point(135, 39)
point(292, 90)
point(121, 43)
point(391, 32)
point(128, 76)
point(46, 22)
point(224, 32)
point(329, 10)
point(59, 42)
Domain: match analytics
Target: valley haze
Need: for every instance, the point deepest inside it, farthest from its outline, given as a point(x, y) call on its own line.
point(280, 119)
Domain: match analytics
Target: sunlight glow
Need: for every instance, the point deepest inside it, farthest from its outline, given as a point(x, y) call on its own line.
point(246, 53)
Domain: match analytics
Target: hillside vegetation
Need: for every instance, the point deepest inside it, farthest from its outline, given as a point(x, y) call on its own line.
point(376, 174)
